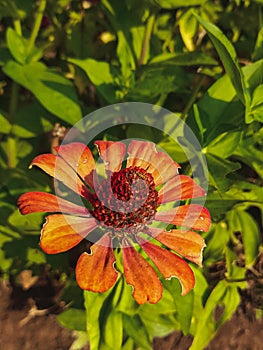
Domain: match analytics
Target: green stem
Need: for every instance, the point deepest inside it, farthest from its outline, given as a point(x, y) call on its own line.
point(192, 98)
point(37, 24)
point(146, 39)
point(17, 25)
point(11, 140)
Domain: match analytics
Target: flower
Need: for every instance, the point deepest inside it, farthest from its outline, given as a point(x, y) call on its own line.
point(126, 205)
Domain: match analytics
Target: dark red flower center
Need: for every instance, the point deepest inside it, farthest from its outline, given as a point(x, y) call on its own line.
point(126, 199)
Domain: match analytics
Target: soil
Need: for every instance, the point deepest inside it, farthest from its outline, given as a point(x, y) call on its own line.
point(24, 326)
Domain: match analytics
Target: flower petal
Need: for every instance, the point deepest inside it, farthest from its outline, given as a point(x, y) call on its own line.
point(112, 154)
point(189, 244)
point(159, 164)
point(170, 265)
point(140, 153)
point(63, 232)
point(80, 158)
point(60, 170)
point(95, 271)
point(193, 216)
point(180, 187)
point(140, 274)
point(32, 202)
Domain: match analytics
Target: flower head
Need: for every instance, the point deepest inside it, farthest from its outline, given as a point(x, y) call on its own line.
point(125, 205)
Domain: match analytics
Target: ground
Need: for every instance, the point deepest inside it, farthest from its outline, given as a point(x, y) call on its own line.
point(35, 330)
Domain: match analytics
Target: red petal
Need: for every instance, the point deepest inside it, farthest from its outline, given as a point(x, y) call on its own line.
point(170, 265)
point(189, 244)
point(112, 154)
point(60, 170)
point(179, 188)
point(63, 232)
point(159, 164)
point(33, 202)
point(95, 271)
point(139, 273)
point(193, 216)
point(80, 158)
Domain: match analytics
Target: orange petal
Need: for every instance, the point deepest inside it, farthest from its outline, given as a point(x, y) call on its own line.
point(80, 158)
point(170, 265)
point(32, 202)
point(112, 154)
point(95, 271)
point(180, 187)
point(193, 216)
point(139, 273)
point(140, 153)
point(60, 170)
point(189, 244)
point(159, 164)
point(63, 232)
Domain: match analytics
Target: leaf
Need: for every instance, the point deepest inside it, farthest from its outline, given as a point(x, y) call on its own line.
point(256, 111)
point(17, 45)
point(93, 305)
point(81, 339)
point(183, 304)
point(188, 26)
point(30, 224)
point(195, 58)
point(250, 235)
point(223, 295)
point(173, 4)
point(219, 168)
point(74, 319)
point(53, 91)
point(224, 144)
point(229, 59)
point(5, 124)
point(101, 74)
point(113, 330)
point(135, 329)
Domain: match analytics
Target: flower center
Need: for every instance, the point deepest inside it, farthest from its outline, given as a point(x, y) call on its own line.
point(126, 199)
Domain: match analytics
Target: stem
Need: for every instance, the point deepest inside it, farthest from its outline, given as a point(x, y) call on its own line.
point(17, 25)
point(11, 141)
point(37, 24)
point(192, 98)
point(146, 39)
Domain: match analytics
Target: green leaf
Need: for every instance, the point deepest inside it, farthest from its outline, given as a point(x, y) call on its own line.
point(195, 58)
point(74, 319)
point(229, 59)
point(81, 339)
point(113, 330)
point(256, 111)
point(53, 91)
point(135, 329)
point(29, 224)
point(224, 144)
point(5, 125)
point(219, 169)
point(17, 45)
point(250, 235)
point(174, 4)
point(216, 240)
point(183, 304)
point(93, 305)
point(223, 295)
point(101, 74)
point(188, 26)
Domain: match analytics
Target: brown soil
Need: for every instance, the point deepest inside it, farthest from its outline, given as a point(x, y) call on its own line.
point(27, 330)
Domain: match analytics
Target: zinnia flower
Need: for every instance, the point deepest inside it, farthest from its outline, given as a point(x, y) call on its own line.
point(125, 205)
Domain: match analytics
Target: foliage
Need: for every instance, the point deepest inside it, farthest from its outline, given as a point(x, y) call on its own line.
point(61, 60)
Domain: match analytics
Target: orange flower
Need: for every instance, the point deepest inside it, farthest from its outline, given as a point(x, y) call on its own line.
point(125, 206)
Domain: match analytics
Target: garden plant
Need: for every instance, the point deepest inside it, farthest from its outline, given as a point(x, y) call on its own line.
point(132, 164)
